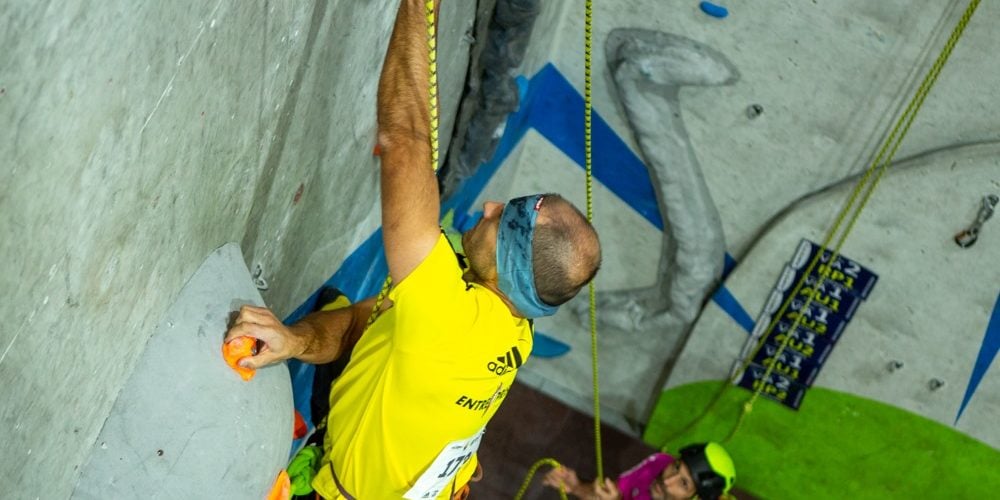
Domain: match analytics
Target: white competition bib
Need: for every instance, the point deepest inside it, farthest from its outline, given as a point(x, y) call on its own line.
point(440, 474)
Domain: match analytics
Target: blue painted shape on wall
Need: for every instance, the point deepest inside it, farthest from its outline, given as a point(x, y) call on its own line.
point(545, 346)
point(987, 353)
point(552, 106)
point(557, 114)
point(725, 299)
point(359, 277)
point(728, 266)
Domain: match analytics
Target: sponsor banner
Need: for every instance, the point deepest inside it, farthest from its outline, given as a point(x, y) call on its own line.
point(776, 386)
point(827, 292)
point(809, 339)
point(808, 327)
point(815, 317)
point(798, 361)
point(849, 274)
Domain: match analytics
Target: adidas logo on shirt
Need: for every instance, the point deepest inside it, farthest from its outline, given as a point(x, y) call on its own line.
point(506, 363)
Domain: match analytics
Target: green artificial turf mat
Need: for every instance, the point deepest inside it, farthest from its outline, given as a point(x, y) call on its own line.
point(836, 446)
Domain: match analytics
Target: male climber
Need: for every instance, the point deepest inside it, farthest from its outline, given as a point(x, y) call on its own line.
point(407, 414)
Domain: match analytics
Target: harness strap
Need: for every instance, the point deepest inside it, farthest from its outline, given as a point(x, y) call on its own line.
point(340, 487)
point(464, 492)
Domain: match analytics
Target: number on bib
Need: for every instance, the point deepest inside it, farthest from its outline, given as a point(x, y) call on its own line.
point(445, 466)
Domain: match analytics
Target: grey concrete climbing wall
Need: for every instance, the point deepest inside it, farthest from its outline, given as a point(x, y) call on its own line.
point(141, 136)
point(829, 79)
point(186, 425)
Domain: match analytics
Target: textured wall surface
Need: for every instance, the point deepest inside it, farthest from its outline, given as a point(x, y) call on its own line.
point(141, 136)
point(830, 77)
point(929, 310)
point(186, 425)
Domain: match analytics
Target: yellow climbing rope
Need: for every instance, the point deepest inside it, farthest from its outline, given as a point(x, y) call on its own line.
point(588, 156)
point(867, 183)
point(433, 83)
point(531, 473)
point(588, 148)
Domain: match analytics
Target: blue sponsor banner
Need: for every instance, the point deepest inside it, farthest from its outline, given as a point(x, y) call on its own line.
point(805, 340)
point(798, 361)
point(831, 294)
point(814, 316)
point(803, 334)
point(851, 275)
point(808, 327)
point(774, 386)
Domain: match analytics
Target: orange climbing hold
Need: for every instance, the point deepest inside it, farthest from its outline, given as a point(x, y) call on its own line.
point(299, 429)
point(237, 349)
point(282, 489)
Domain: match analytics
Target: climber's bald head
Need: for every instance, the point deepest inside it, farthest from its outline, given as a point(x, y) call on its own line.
point(566, 250)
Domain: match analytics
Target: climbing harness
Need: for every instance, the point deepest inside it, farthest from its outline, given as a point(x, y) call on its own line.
point(433, 84)
point(588, 22)
point(867, 183)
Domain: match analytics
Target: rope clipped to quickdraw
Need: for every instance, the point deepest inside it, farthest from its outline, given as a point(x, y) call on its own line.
point(867, 183)
point(531, 474)
point(433, 83)
point(588, 156)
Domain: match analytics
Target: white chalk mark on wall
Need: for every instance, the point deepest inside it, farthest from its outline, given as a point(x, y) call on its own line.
point(31, 316)
point(170, 83)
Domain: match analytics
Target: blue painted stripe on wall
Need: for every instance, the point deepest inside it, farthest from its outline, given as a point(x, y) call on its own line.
point(552, 106)
point(725, 299)
point(557, 114)
point(360, 276)
point(728, 266)
point(987, 353)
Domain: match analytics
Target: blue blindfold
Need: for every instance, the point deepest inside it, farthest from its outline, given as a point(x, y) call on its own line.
point(514, 265)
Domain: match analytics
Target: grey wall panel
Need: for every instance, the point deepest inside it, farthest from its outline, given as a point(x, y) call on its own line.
point(186, 425)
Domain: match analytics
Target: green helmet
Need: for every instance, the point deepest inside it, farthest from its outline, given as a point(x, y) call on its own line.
point(711, 468)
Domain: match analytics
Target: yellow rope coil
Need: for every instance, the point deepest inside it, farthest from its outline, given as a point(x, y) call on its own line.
point(867, 183)
point(531, 475)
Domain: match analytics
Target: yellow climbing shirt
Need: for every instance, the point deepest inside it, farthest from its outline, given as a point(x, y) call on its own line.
point(407, 414)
